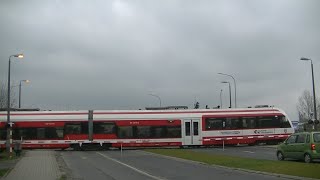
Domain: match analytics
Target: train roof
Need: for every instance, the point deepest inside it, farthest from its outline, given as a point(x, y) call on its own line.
point(133, 114)
point(179, 111)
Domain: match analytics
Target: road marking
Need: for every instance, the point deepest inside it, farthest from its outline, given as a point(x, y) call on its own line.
point(248, 151)
point(131, 167)
point(264, 147)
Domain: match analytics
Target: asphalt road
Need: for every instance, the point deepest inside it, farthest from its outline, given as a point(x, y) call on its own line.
point(256, 152)
point(138, 165)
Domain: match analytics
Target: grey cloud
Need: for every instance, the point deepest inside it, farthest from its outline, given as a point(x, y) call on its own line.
point(111, 55)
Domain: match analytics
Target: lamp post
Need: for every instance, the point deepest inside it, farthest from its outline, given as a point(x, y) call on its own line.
point(314, 92)
point(26, 81)
point(156, 97)
point(229, 91)
point(221, 98)
point(235, 88)
point(9, 125)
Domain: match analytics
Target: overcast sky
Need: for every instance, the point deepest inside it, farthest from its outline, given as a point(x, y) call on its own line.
point(112, 54)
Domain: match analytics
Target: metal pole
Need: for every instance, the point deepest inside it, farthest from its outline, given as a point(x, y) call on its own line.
point(314, 95)
point(221, 99)
point(9, 130)
point(159, 100)
point(235, 88)
point(235, 92)
point(20, 95)
point(230, 95)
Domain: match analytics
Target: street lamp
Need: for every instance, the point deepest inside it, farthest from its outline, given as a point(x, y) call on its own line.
point(156, 97)
point(229, 91)
point(314, 92)
point(9, 125)
point(221, 98)
point(26, 81)
point(235, 88)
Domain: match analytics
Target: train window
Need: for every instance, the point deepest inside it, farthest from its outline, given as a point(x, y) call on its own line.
point(125, 132)
point(174, 131)
point(214, 123)
point(54, 133)
point(40, 133)
point(143, 131)
point(195, 128)
point(84, 128)
point(187, 128)
point(276, 121)
point(72, 128)
point(59, 132)
point(149, 131)
point(103, 128)
point(3, 134)
point(232, 123)
point(29, 133)
point(25, 133)
point(267, 122)
point(249, 122)
point(158, 132)
point(284, 122)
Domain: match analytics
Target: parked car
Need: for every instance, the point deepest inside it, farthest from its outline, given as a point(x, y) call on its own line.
point(303, 145)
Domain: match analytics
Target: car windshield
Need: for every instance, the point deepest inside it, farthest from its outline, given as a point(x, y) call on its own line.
point(316, 137)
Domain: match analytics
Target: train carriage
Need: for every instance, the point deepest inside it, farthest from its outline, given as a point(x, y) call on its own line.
point(146, 128)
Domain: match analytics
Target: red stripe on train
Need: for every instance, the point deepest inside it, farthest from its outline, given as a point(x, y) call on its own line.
point(144, 112)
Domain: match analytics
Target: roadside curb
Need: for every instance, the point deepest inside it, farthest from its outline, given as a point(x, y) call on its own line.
point(237, 169)
point(64, 170)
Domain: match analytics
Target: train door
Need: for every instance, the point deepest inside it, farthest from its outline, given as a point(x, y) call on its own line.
point(191, 132)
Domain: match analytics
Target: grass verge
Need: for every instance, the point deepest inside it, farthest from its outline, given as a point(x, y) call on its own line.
point(280, 167)
point(3, 172)
point(7, 163)
point(4, 156)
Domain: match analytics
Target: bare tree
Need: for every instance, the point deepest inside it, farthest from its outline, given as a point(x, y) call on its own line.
point(305, 106)
point(4, 96)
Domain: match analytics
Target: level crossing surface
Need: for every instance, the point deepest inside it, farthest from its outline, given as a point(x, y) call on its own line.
point(136, 164)
point(119, 165)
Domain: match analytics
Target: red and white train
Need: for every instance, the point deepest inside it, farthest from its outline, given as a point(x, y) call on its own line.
point(146, 128)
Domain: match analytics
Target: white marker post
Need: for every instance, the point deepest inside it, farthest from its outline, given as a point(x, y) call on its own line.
point(223, 145)
point(121, 149)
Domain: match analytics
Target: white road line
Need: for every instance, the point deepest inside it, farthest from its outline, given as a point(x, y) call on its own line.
point(248, 151)
point(264, 147)
point(131, 167)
